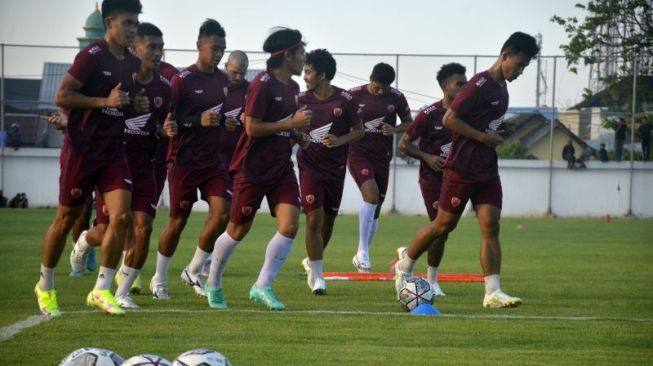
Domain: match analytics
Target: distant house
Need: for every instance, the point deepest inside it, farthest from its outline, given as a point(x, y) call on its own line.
point(532, 130)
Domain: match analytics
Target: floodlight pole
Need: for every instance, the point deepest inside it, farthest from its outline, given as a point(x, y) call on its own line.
point(632, 137)
point(549, 210)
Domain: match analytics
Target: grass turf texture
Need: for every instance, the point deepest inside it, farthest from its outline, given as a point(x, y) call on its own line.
point(587, 288)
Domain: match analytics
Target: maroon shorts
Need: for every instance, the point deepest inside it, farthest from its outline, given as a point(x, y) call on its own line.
point(363, 169)
point(430, 193)
point(184, 183)
point(248, 196)
point(320, 193)
point(455, 194)
point(79, 176)
point(144, 198)
point(160, 174)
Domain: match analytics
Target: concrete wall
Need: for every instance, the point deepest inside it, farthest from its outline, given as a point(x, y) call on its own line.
point(602, 188)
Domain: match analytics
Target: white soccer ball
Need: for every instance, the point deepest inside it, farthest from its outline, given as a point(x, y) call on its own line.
point(414, 292)
point(201, 357)
point(146, 360)
point(92, 357)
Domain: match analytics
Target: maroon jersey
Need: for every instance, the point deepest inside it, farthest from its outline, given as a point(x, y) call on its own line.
point(233, 107)
point(97, 134)
point(434, 138)
point(141, 129)
point(194, 92)
point(167, 70)
point(335, 115)
point(266, 158)
point(375, 111)
point(482, 104)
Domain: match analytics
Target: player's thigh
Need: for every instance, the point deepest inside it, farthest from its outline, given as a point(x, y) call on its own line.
point(311, 192)
point(183, 185)
point(246, 200)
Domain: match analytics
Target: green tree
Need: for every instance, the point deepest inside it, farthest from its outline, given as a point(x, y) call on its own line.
point(513, 150)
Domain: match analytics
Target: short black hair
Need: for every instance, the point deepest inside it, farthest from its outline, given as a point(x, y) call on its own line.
point(383, 73)
point(449, 69)
point(280, 40)
point(129, 6)
point(521, 42)
point(322, 62)
point(211, 27)
point(149, 29)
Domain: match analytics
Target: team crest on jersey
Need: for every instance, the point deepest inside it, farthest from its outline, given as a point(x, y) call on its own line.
point(246, 210)
point(158, 102)
point(455, 201)
point(435, 205)
point(184, 205)
point(391, 108)
point(337, 112)
point(76, 192)
point(365, 171)
point(310, 198)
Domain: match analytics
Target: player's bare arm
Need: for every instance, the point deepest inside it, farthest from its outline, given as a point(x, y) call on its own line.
point(356, 133)
point(457, 125)
point(406, 146)
point(405, 122)
point(59, 119)
point(69, 97)
point(255, 127)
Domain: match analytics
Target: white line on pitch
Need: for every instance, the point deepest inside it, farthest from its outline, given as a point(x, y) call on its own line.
point(13, 329)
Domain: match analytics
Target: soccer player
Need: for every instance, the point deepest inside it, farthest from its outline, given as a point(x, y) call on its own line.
point(140, 136)
point(434, 142)
point(160, 156)
point(262, 167)
point(335, 124)
point(471, 170)
point(369, 158)
point(198, 95)
point(235, 68)
point(97, 90)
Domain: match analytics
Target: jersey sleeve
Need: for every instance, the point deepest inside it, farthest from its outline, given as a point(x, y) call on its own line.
point(353, 112)
point(466, 100)
point(176, 92)
point(403, 110)
point(416, 129)
point(258, 97)
point(84, 66)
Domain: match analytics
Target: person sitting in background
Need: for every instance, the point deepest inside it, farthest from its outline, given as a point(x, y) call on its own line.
point(645, 134)
point(568, 153)
point(14, 140)
point(603, 153)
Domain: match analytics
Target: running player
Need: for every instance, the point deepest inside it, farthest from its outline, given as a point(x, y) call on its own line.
point(471, 170)
point(198, 95)
point(140, 135)
point(97, 90)
point(434, 143)
point(369, 158)
point(235, 68)
point(336, 123)
point(262, 167)
point(160, 156)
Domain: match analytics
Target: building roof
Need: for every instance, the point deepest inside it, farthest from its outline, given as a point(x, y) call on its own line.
point(53, 72)
point(529, 128)
point(20, 94)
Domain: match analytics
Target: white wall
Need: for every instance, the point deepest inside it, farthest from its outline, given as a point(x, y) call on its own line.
point(602, 188)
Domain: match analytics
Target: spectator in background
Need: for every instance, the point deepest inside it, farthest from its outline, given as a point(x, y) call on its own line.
point(619, 138)
point(568, 153)
point(585, 155)
point(4, 137)
point(645, 133)
point(14, 140)
point(603, 153)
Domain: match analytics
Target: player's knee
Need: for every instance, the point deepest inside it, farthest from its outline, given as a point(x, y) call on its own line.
point(288, 229)
point(489, 229)
point(177, 224)
point(121, 219)
point(142, 230)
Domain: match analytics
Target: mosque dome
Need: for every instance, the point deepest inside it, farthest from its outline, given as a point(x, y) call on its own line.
point(93, 28)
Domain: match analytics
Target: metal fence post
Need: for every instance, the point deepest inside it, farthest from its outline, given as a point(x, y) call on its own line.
point(393, 208)
point(549, 210)
point(632, 137)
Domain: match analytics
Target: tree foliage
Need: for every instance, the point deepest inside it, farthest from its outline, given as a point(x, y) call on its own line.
point(624, 26)
point(513, 150)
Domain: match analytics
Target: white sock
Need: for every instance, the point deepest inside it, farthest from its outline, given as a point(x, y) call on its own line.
point(432, 274)
point(162, 266)
point(491, 284)
point(365, 223)
point(122, 262)
point(104, 278)
point(406, 264)
point(373, 229)
point(275, 255)
point(128, 276)
point(225, 246)
point(195, 266)
point(46, 281)
point(317, 267)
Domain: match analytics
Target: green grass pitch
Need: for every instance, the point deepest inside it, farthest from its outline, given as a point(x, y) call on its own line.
point(587, 288)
